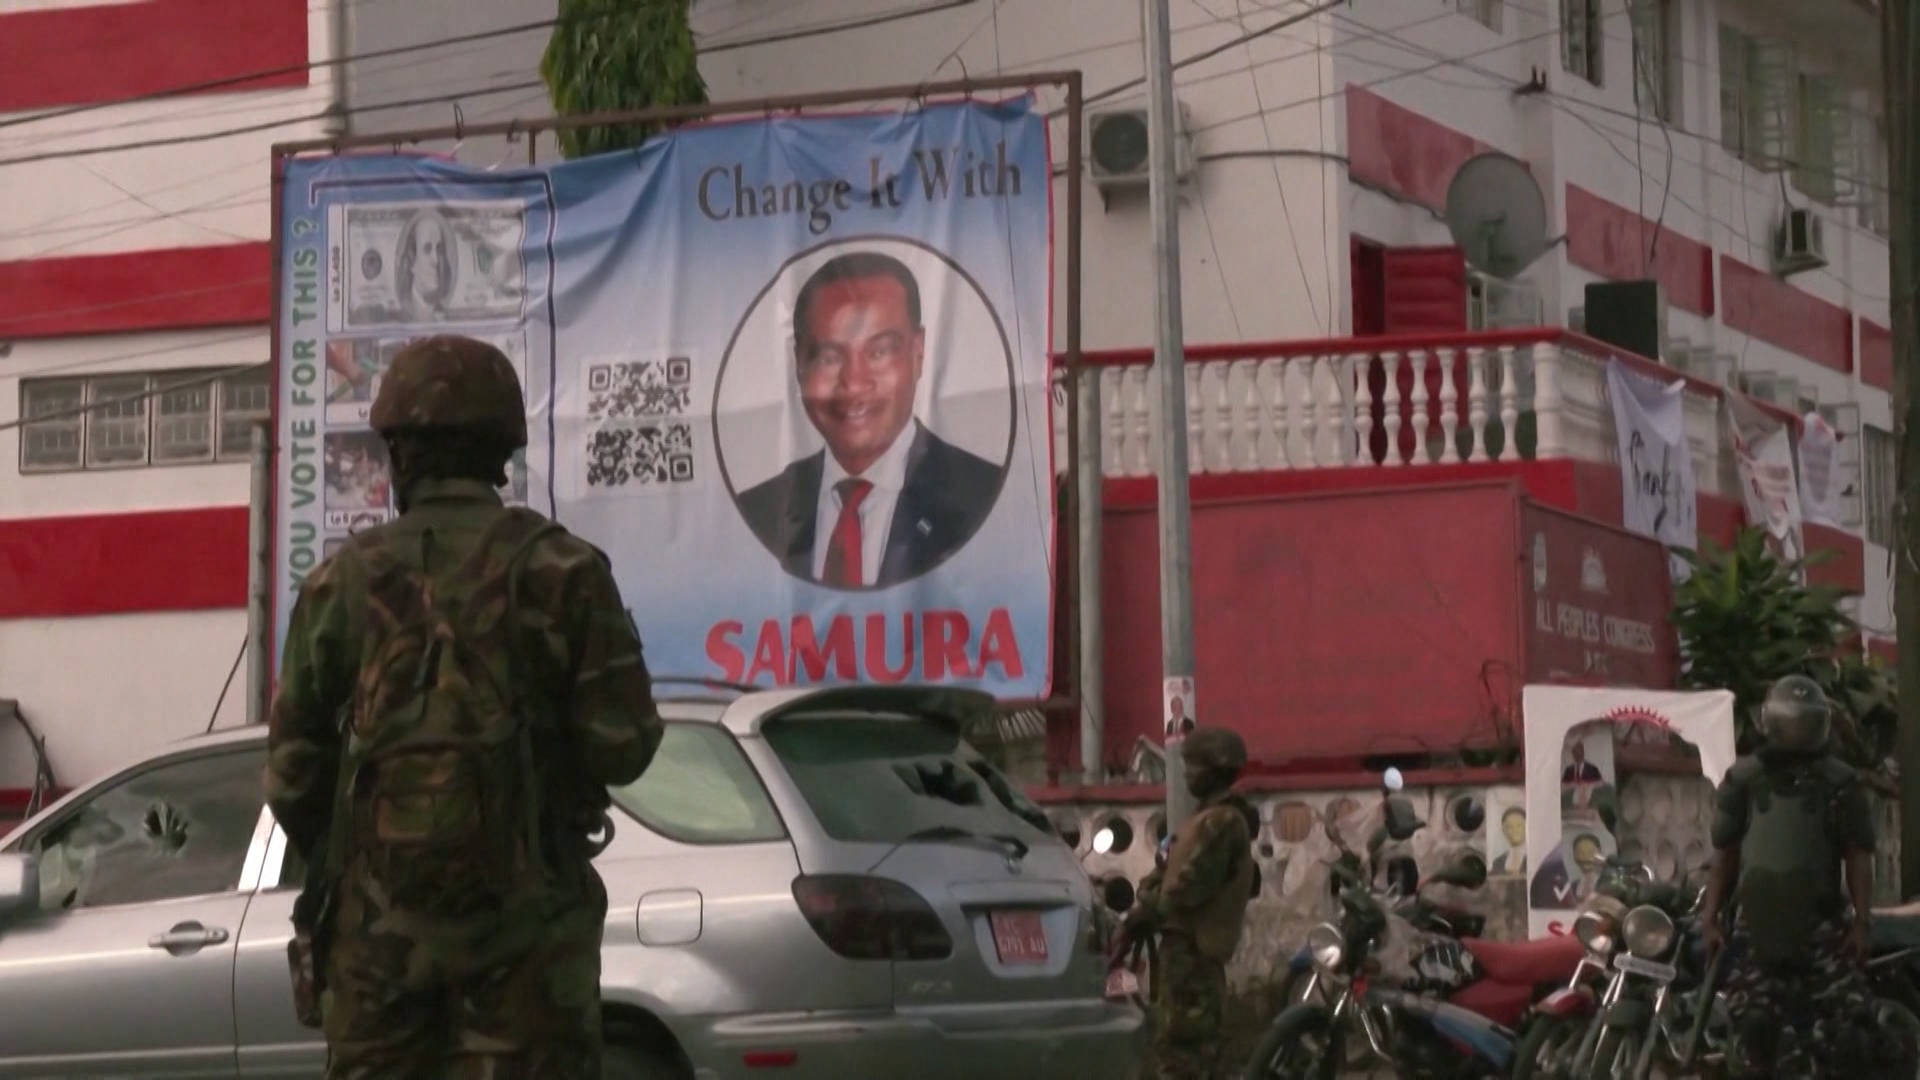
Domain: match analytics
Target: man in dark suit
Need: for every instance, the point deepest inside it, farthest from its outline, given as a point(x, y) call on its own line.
point(886, 500)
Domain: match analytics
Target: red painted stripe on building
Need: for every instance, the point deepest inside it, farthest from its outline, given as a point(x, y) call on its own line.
point(1757, 303)
point(1398, 150)
point(164, 289)
point(1613, 241)
point(108, 52)
point(117, 564)
point(1876, 355)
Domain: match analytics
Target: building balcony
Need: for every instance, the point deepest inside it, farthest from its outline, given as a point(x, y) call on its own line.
point(1387, 403)
point(1364, 513)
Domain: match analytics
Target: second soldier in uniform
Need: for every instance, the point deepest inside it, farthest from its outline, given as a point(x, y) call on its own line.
point(459, 688)
point(1197, 903)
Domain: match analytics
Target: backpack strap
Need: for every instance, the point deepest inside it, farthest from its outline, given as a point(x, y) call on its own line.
point(530, 789)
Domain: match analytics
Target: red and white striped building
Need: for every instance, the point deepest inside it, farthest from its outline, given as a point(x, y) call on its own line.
point(123, 530)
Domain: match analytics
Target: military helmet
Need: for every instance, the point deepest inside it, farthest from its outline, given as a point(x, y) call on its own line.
point(1215, 748)
point(1795, 715)
point(449, 382)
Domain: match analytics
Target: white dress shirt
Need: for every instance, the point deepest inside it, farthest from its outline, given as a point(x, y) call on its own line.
point(887, 475)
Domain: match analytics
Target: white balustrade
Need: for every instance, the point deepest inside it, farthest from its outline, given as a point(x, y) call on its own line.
point(1441, 404)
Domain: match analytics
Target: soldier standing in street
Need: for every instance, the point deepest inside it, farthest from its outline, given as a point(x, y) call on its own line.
point(1792, 823)
point(1198, 903)
point(459, 688)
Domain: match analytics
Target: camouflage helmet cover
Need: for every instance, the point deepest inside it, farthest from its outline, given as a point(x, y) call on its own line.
point(1215, 748)
point(1795, 714)
point(451, 382)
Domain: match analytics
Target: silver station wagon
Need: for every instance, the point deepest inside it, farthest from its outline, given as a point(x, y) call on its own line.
point(805, 884)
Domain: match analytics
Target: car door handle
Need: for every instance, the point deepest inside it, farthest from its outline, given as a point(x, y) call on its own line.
point(187, 935)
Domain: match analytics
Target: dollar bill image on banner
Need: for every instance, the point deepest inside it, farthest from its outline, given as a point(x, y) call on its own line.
point(426, 264)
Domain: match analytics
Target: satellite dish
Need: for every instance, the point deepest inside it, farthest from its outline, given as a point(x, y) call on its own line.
point(1497, 215)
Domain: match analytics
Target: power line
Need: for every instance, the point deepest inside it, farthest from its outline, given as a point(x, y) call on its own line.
point(441, 99)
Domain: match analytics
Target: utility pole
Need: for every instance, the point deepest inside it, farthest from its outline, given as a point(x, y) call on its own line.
point(259, 573)
point(1897, 68)
point(1169, 364)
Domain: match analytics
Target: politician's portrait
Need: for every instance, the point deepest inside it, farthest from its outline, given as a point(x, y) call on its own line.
point(893, 391)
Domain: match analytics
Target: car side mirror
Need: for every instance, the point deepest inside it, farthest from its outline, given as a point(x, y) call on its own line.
point(19, 886)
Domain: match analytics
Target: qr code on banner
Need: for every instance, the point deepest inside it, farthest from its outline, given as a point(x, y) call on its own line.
point(636, 389)
point(636, 455)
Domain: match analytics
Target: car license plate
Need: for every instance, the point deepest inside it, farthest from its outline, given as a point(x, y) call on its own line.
point(1633, 965)
point(1019, 937)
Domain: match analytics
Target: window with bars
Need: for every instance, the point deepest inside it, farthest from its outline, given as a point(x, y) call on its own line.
point(1821, 116)
point(132, 420)
point(1870, 148)
point(1656, 51)
point(1580, 38)
point(1487, 13)
point(1877, 463)
point(1758, 98)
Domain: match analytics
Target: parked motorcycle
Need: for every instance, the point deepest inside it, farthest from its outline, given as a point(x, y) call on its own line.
point(1661, 1001)
point(1432, 1006)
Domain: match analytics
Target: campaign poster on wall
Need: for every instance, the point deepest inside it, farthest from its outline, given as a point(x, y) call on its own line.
point(1573, 789)
point(790, 374)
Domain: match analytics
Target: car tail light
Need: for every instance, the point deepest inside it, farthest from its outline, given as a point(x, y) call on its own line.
point(871, 918)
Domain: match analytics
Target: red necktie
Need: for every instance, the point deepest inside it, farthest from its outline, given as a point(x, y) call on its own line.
point(843, 552)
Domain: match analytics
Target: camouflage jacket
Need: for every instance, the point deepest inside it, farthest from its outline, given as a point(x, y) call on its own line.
point(1203, 890)
point(580, 645)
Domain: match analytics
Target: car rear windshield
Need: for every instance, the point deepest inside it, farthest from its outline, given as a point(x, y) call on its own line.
point(882, 779)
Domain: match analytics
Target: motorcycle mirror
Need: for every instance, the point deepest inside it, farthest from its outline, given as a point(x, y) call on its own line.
point(1469, 871)
point(1103, 841)
point(1392, 780)
point(1401, 820)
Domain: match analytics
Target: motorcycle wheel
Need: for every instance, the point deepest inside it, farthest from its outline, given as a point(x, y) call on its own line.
point(1302, 1043)
point(1545, 1050)
point(1899, 1022)
point(1615, 1056)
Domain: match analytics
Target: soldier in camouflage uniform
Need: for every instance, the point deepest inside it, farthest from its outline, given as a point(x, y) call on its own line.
point(459, 688)
point(1791, 824)
point(1197, 903)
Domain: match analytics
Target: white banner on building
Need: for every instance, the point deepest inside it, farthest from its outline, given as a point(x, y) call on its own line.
point(1658, 495)
point(1820, 483)
point(1573, 787)
point(1763, 455)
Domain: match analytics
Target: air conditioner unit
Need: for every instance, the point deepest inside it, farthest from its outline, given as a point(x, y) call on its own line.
point(1800, 244)
point(1117, 146)
point(1495, 304)
point(1845, 421)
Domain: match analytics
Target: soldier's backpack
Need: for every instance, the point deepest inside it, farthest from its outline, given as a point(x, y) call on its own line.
point(1790, 857)
point(439, 803)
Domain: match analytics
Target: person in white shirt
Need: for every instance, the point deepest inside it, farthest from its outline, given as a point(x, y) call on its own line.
point(886, 500)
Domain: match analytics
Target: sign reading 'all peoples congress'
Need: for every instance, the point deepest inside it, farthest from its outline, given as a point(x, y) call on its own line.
point(791, 375)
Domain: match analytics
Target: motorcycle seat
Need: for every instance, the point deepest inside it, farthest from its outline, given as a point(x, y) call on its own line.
point(1527, 963)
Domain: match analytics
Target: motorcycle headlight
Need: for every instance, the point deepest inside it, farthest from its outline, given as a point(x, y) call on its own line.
point(1648, 932)
point(1326, 946)
point(1595, 931)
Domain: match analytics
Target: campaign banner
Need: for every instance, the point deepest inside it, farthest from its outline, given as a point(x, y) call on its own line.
point(1821, 483)
point(1571, 824)
point(1659, 497)
point(1763, 459)
point(790, 374)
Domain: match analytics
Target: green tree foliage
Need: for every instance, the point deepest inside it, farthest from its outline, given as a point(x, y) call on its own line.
point(613, 55)
point(1745, 619)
